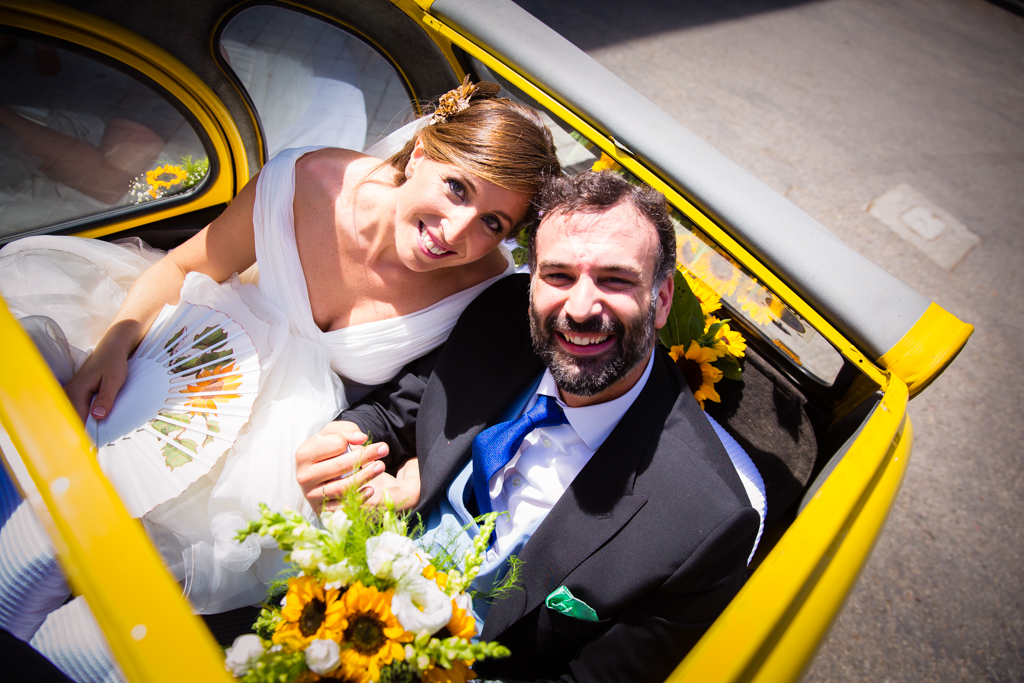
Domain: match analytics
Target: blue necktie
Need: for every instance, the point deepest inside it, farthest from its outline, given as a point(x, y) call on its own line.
point(495, 446)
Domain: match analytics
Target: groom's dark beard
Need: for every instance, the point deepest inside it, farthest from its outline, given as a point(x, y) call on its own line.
point(590, 375)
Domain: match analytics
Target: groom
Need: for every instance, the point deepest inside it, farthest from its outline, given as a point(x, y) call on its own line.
point(631, 525)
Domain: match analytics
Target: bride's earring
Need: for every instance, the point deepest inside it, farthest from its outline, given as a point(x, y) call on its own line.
point(408, 172)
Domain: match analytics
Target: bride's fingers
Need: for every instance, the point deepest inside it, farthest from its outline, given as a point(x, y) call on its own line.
point(347, 430)
point(79, 394)
point(109, 386)
point(338, 488)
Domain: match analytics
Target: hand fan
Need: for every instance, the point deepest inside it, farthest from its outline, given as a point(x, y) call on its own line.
point(190, 388)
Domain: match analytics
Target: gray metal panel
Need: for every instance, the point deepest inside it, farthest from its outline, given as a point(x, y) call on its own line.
point(868, 305)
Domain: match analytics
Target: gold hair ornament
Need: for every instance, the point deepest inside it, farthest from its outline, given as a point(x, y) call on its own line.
point(456, 101)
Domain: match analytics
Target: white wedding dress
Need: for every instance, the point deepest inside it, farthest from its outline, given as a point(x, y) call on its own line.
point(305, 373)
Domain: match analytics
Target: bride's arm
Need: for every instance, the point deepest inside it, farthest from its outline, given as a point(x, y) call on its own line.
point(222, 248)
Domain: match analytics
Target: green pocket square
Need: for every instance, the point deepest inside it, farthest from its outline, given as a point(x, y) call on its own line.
point(561, 601)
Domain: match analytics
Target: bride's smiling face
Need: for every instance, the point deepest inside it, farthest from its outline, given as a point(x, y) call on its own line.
point(446, 216)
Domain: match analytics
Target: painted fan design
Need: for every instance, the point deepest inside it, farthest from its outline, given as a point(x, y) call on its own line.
point(190, 389)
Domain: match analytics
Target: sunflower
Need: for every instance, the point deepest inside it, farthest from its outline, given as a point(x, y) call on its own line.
point(605, 163)
point(440, 578)
point(687, 246)
point(722, 276)
point(708, 298)
point(461, 625)
point(459, 673)
point(759, 313)
point(157, 178)
point(218, 384)
point(371, 635)
point(727, 339)
point(701, 376)
point(309, 613)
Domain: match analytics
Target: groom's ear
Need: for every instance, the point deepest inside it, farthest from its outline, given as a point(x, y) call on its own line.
point(664, 305)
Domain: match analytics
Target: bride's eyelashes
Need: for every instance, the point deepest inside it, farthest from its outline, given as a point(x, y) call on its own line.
point(457, 188)
point(494, 224)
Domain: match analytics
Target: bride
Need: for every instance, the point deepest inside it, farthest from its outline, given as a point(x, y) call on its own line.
point(363, 265)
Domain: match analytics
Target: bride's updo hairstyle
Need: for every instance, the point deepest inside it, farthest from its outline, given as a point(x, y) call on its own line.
point(490, 137)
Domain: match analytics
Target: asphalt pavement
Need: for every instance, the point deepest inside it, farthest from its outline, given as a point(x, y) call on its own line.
point(833, 104)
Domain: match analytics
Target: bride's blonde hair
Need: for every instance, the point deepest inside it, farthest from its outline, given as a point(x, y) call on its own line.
point(494, 139)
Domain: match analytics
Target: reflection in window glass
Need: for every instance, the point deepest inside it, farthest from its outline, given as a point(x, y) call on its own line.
point(742, 295)
point(78, 138)
point(312, 83)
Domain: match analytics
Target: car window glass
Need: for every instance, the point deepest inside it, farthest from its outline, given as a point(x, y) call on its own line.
point(79, 139)
point(312, 83)
point(745, 299)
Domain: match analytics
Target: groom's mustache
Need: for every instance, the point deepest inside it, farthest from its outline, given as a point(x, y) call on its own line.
point(593, 325)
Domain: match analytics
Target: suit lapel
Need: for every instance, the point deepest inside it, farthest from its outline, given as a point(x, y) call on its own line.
point(486, 363)
point(598, 503)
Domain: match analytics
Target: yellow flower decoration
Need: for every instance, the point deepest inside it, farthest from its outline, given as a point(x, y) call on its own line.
point(156, 178)
point(722, 276)
point(371, 635)
point(440, 578)
point(708, 298)
point(762, 315)
point(309, 613)
point(461, 625)
point(605, 163)
point(731, 341)
point(701, 376)
point(459, 673)
point(220, 384)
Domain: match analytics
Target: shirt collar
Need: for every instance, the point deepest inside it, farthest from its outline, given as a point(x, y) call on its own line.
point(594, 423)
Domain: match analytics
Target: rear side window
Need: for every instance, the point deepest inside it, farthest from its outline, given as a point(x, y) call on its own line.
point(80, 139)
point(310, 82)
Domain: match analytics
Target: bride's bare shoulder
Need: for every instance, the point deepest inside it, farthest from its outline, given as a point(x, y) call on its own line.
point(333, 167)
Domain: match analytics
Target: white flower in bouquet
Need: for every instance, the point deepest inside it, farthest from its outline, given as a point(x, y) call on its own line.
point(243, 653)
point(337, 575)
point(323, 656)
point(391, 556)
point(305, 532)
point(308, 558)
point(419, 605)
point(337, 523)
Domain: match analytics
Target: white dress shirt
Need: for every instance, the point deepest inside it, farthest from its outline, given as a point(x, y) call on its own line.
point(550, 458)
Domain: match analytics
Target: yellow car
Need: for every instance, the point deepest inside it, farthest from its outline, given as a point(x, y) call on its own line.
point(183, 102)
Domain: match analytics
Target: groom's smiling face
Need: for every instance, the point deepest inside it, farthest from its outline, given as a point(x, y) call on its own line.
point(592, 311)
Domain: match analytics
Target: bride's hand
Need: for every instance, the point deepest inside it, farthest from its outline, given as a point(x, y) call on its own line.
point(403, 490)
point(324, 464)
point(102, 374)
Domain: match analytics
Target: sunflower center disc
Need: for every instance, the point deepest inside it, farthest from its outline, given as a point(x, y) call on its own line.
point(312, 617)
point(366, 634)
point(692, 373)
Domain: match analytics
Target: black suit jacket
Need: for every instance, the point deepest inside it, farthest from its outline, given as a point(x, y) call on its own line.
point(653, 533)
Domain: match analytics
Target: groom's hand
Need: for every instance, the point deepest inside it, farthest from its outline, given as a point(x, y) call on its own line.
point(334, 461)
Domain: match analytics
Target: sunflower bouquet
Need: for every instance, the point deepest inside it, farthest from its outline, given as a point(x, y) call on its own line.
point(704, 347)
point(367, 604)
point(167, 178)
